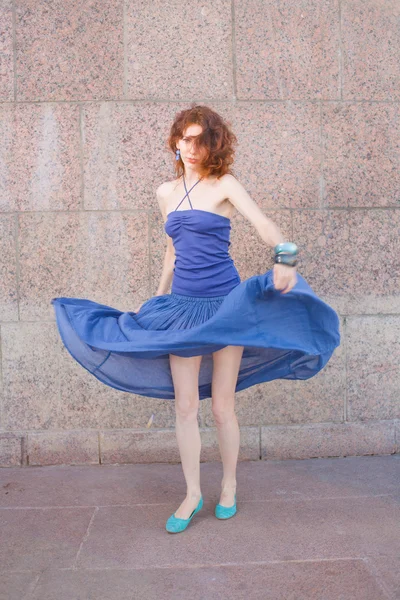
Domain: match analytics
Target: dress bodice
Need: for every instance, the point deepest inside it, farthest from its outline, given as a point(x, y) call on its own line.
point(203, 265)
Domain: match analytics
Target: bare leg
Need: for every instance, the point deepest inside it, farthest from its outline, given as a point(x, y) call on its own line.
point(185, 375)
point(225, 372)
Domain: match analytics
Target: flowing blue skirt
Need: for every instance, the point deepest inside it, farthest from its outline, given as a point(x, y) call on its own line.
point(285, 336)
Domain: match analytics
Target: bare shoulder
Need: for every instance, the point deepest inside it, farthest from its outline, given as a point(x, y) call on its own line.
point(163, 189)
point(230, 188)
point(166, 188)
point(229, 181)
point(162, 192)
point(236, 193)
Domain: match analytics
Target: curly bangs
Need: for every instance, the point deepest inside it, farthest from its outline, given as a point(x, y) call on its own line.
point(216, 138)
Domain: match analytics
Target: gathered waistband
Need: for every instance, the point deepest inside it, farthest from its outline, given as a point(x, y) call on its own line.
point(197, 298)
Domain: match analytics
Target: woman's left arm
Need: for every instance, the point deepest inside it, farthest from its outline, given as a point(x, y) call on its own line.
point(284, 276)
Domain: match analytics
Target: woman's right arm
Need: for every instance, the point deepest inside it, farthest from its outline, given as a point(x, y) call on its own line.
point(169, 258)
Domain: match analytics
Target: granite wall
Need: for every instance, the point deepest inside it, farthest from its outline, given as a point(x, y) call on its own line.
point(88, 92)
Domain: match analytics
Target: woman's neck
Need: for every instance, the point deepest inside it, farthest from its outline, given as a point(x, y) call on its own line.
point(191, 178)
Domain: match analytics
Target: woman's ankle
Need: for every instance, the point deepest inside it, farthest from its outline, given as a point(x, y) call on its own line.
point(193, 494)
point(228, 484)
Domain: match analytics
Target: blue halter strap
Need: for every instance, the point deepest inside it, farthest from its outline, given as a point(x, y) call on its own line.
point(187, 193)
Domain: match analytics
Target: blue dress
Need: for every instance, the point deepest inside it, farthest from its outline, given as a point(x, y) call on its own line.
point(285, 336)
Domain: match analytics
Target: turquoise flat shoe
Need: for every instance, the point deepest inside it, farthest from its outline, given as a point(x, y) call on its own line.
point(225, 512)
point(176, 525)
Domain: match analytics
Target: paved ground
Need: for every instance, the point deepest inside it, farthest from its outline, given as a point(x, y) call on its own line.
point(305, 529)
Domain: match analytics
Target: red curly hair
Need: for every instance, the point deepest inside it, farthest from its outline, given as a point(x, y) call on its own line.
point(217, 138)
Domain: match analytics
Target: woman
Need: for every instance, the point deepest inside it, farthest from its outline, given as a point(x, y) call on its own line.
point(213, 334)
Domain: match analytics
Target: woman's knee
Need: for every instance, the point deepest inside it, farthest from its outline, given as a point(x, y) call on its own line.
point(185, 375)
point(187, 408)
point(223, 411)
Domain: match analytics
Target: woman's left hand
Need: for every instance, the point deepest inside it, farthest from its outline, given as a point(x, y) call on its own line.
point(284, 277)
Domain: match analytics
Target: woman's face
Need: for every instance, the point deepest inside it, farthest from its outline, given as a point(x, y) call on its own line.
point(189, 155)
